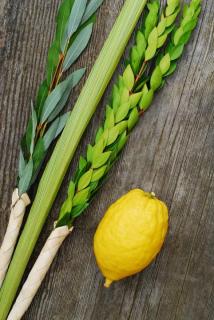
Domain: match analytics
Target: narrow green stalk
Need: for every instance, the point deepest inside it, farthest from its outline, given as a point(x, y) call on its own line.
point(65, 148)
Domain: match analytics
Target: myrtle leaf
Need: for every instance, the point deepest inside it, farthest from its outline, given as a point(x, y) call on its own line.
point(81, 197)
point(128, 77)
point(77, 210)
point(178, 34)
point(85, 180)
point(165, 64)
point(161, 26)
point(171, 19)
point(172, 69)
point(82, 163)
point(90, 153)
point(141, 43)
point(135, 60)
point(133, 119)
point(91, 9)
point(134, 99)
point(101, 160)
point(176, 52)
point(122, 141)
point(152, 17)
point(146, 100)
point(98, 148)
point(98, 174)
point(156, 78)
point(115, 98)
point(152, 45)
point(121, 126)
point(71, 189)
point(122, 112)
point(66, 208)
point(64, 220)
point(77, 46)
point(109, 122)
point(25, 179)
point(113, 134)
point(162, 40)
point(124, 95)
point(98, 134)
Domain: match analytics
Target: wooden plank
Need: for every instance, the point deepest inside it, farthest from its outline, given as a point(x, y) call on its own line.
point(170, 152)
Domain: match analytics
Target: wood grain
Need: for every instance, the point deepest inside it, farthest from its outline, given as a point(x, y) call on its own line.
point(170, 152)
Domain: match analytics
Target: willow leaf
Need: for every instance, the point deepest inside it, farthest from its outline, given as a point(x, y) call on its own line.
point(62, 122)
point(50, 134)
point(34, 125)
point(53, 60)
point(74, 20)
point(61, 104)
point(62, 19)
point(91, 9)
point(78, 46)
point(24, 181)
point(38, 157)
point(22, 163)
point(41, 97)
point(57, 94)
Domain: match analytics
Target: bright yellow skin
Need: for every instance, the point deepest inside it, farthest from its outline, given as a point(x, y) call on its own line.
point(130, 235)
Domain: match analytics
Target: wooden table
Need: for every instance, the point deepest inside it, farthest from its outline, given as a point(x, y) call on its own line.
point(170, 152)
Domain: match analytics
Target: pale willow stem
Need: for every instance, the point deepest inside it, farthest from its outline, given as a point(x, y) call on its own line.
point(38, 272)
point(18, 208)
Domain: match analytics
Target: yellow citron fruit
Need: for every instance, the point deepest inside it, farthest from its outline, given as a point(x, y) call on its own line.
point(130, 235)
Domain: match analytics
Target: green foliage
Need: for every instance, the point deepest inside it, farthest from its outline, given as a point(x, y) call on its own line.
point(127, 103)
point(153, 35)
point(74, 24)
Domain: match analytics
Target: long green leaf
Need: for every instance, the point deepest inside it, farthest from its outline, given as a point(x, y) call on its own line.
point(91, 9)
point(57, 94)
point(78, 46)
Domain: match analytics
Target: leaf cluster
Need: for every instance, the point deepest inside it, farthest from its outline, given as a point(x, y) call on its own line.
point(74, 24)
point(125, 107)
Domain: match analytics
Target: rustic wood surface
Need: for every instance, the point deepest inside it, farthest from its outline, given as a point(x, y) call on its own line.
point(170, 152)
